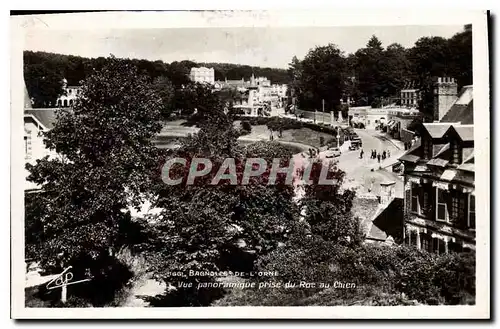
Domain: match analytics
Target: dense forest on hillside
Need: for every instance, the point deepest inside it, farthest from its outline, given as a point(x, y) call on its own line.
point(51, 68)
point(373, 75)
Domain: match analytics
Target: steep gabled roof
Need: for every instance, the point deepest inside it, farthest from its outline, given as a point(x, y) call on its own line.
point(436, 129)
point(466, 132)
point(462, 110)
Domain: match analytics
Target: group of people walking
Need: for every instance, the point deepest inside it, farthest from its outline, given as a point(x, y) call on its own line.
point(377, 155)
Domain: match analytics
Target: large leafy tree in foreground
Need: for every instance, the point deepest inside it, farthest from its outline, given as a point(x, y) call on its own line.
point(205, 227)
point(104, 165)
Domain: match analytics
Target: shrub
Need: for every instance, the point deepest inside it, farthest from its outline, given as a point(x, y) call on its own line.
point(246, 127)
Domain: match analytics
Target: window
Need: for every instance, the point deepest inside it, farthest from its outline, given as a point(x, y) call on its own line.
point(458, 207)
point(442, 208)
point(412, 238)
point(415, 191)
point(456, 155)
point(438, 246)
point(472, 212)
point(455, 246)
point(27, 144)
point(425, 242)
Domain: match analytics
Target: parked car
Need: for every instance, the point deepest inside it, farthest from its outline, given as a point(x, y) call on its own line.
point(357, 140)
point(355, 144)
point(333, 152)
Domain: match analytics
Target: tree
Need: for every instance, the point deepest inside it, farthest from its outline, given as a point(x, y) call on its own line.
point(104, 166)
point(461, 57)
point(327, 209)
point(203, 226)
point(395, 71)
point(165, 89)
point(369, 67)
point(44, 84)
point(295, 74)
point(322, 77)
point(430, 58)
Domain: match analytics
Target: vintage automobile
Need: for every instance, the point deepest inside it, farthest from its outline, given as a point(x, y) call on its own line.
point(333, 152)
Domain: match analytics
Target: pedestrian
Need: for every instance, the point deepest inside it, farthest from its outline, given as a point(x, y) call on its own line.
point(378, 157)
point(388, 153)
point(361, 154)
point(383, 155)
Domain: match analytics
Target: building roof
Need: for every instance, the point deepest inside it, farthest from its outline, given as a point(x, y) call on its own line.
point(436, 129)
point(47, 117)
point(410, 85)
point(388, 222)
point(467, 167)
point(462, 110)
point(466, 132)
point(409, 158)
point(438, 162)
point(442, 149)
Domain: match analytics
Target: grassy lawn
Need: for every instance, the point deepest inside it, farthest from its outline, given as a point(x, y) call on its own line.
point(303, 135)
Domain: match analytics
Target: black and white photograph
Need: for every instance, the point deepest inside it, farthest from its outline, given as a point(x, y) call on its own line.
point(273, 161)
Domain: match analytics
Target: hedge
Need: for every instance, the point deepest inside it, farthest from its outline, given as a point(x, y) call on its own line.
point(277, 123)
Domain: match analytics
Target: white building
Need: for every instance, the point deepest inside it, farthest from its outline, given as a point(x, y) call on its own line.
point(203, 75)
point(370, 117)
point(69, 98)
point(410, 95)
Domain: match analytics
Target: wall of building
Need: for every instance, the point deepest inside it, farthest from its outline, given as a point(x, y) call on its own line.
point(422, 229)
point(34, 148)
point(370, 117)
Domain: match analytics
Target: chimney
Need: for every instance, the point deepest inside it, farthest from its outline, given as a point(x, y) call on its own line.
point(445, 94)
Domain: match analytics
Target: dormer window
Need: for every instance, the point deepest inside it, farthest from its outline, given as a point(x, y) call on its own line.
point(456, 152)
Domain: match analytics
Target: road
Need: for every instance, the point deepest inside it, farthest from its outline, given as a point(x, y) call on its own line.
point(359, 172)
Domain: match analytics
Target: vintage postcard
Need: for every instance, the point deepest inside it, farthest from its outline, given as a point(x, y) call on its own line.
point(250, 164)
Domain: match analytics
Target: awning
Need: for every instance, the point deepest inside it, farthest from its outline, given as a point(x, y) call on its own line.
point(448, 175)
point(441, 185)
point(414, 179)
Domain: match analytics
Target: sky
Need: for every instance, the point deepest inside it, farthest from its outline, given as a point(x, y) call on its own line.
point(265, 47)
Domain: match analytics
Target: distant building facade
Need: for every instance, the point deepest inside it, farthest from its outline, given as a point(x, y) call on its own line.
point(399, 119)
point(262, 94)
point(410, 95)
point(368, 116)
point(202, 75)
point(70, 95)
